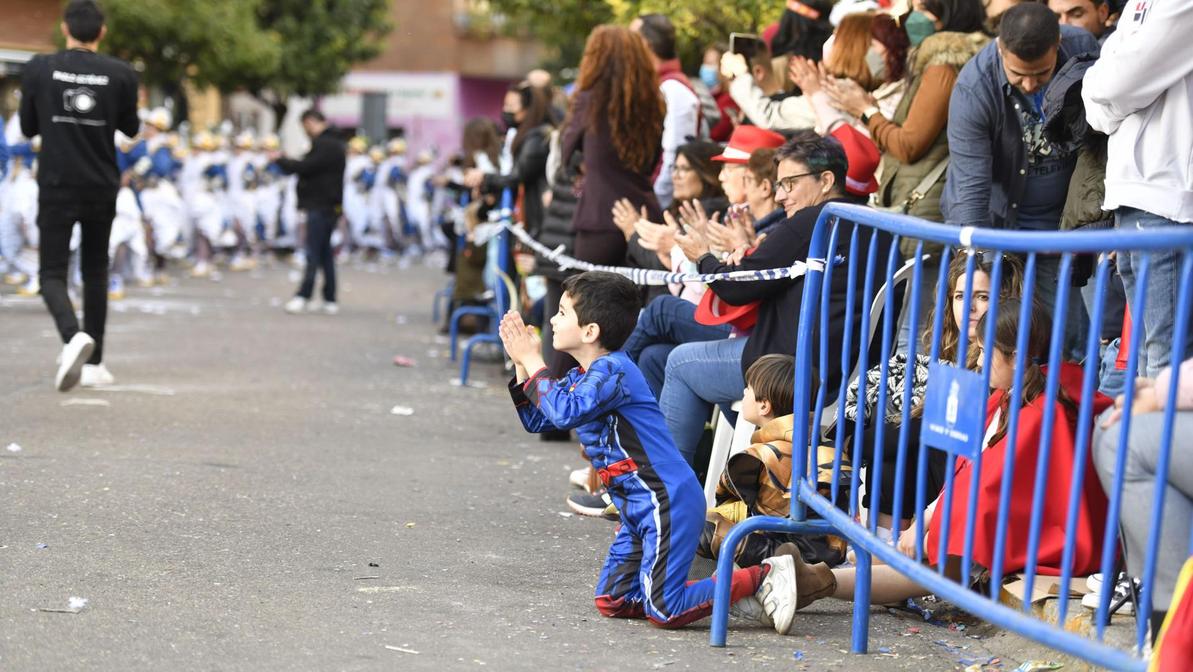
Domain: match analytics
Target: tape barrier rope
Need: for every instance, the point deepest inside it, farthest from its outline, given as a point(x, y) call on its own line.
point(642, 276)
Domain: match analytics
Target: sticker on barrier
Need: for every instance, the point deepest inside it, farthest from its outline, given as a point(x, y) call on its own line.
point(954, 410)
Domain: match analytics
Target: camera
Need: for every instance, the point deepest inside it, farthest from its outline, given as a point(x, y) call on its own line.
point(82, 100)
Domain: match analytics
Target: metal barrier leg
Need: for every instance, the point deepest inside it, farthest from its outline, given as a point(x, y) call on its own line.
point(720, 608)
point(861, 601)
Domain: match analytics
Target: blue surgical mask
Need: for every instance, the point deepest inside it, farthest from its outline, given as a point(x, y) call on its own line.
point(919, 28)
point(708, 75)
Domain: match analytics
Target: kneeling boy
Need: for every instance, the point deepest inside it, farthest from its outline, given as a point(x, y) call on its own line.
point(607, 401)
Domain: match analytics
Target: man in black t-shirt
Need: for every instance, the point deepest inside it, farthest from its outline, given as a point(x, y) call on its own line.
point(76, 100)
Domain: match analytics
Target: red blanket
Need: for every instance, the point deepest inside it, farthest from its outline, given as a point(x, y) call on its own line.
point(1091, 512)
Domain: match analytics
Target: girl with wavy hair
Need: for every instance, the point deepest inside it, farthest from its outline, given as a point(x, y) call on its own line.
point(616, 121)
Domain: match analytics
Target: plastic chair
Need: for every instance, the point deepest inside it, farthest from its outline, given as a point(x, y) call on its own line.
point(728, 440)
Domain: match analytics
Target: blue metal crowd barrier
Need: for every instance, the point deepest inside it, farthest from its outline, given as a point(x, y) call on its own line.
point(831, 252)
point(502, 297)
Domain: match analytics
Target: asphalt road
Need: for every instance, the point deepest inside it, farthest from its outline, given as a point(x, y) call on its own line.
point(246, 500)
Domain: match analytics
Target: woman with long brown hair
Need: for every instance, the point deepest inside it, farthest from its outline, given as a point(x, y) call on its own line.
point(616, 120)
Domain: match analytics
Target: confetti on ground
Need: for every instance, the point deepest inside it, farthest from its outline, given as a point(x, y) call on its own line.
point(401, 410)
point(401, 650)
point(799, 655)
point(13, 448)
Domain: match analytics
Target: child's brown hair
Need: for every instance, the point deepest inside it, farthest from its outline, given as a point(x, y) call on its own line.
point(772, 378)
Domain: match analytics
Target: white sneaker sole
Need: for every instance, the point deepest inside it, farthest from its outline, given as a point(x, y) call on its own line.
point(779, 593)
point(750, 608)
point(71, 368)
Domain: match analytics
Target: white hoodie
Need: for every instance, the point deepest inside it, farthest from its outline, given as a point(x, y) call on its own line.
point(1140, 93)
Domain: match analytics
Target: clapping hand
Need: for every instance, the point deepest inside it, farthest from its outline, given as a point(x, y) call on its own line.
point(625, 216)
point(693, 217)
point(693, 244)
point(805, 74)
point(737, 231)
point(848, 96)
point(522, 344)
point(659, 238)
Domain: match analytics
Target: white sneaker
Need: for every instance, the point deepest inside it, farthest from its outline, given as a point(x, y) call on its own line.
point(296, 305)
point(96, 375)
point(1121, 591)
point(750, 608)
point(74, 355)
point(579, 478)
point(330, 308)
point(779, 592)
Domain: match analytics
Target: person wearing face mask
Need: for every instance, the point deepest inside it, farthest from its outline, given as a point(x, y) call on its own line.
point(526, 112)
point(727, 113)
point(944, 35)
point(866, 55)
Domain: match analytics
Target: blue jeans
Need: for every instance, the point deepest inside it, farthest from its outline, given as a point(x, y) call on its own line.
point(698, 376)
point(1159, 313)
point(666, 322)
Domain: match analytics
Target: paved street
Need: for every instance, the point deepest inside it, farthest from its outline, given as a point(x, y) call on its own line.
point(246, 500)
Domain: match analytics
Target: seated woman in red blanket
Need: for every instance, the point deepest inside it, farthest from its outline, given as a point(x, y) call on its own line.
point(818, 581)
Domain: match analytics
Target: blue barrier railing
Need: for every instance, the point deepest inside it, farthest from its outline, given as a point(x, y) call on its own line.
point(852, 227)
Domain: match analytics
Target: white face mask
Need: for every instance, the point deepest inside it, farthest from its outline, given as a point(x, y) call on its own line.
point(877, 65)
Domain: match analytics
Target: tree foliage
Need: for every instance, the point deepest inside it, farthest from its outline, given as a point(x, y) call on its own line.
point(698, 23)
point(284, 47)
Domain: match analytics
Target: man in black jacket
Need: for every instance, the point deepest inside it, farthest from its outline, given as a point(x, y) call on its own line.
point(76, 100)
point(320, 194)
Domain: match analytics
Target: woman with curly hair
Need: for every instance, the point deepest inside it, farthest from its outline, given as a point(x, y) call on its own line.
point(616, 120)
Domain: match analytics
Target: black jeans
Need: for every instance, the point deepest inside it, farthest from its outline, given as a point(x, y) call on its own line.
point(320, 225)
point(55, 221)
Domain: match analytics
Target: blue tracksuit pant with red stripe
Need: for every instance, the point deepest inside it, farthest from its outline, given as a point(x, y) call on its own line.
point(661, 504)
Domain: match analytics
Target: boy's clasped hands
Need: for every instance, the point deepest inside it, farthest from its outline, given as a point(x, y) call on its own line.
point(522, 344)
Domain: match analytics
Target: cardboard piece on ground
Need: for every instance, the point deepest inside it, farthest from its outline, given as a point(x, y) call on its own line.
point(1044, 588)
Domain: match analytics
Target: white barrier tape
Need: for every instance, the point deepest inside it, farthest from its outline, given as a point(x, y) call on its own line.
point(642, 276)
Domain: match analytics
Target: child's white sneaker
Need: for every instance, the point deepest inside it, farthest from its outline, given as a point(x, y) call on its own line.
point(74, 355)
point(750, 608)
point(779, 592)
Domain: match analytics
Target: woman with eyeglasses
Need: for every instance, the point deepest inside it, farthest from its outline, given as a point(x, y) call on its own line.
point(811, 173)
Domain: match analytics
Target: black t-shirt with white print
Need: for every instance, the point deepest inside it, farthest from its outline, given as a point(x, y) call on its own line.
point(76, 100)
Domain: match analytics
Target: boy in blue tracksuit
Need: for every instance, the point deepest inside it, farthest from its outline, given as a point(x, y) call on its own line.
point(662, 507)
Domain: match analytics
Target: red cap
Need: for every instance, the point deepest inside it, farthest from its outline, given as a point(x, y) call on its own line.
point(745, 141)
point(863, 157)
point(713, 311)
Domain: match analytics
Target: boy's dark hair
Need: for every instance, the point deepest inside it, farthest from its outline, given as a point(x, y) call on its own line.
point(84, 20)
point(819, 153)
point(1029, 31)
point(659, 33)
point(607, 299)
point(313, 114)
point(772, 377)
